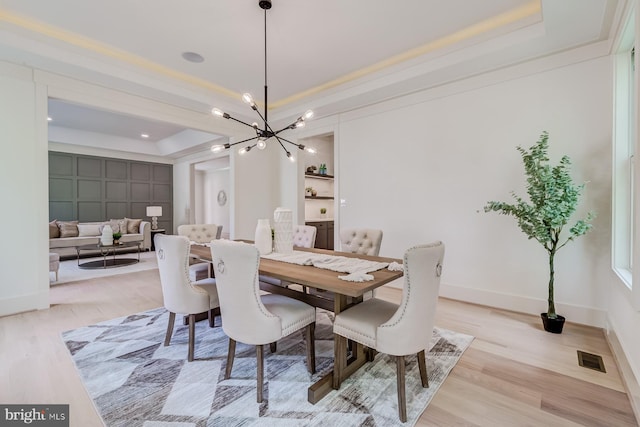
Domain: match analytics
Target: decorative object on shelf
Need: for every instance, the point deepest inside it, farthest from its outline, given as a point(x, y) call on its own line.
point(554, 198)
point(283, 230)
point(323, 212)
point(222, 198)
point(263, 135)
point(314, 192)
point(323, 169)
point(307, 191)
point(154, 212)
point(311, 169)
point(106, 239)
point(263, 239)
point(116, 238)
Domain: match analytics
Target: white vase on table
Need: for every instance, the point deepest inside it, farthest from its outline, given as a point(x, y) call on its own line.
point(262, 239)
point(283, 230)
point(106, 239)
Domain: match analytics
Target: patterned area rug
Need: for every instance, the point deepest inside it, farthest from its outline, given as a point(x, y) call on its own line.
point(135, 381)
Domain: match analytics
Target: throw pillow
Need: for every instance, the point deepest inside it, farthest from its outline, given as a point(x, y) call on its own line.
point(133, 225)
point(89, 229)
point(54, 231)
point(68, 228)
point(119, 225)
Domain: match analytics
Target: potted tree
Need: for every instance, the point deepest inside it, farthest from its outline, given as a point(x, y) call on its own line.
point(553, 199)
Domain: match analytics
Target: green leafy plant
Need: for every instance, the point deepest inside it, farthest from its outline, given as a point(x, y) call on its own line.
point(117, 236)
point(323, 210)
point(553, 199)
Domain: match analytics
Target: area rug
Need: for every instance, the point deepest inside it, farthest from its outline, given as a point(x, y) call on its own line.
point(70, 272)
point(135, 381)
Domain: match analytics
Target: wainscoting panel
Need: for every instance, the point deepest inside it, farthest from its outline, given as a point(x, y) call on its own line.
point(91, 188)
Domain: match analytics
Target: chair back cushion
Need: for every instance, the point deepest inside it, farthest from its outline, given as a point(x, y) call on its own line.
point(179, 295)
point(244, 316)
point(365, 241)
point(304, 236)
point(200, 233)
point(409, 329)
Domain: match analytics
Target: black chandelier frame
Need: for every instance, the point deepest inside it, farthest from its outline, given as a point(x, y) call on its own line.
point(267, 132)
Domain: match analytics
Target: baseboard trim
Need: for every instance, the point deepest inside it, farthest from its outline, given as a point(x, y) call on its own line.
point(22, 303)
point(628, 378)
point(574, 313)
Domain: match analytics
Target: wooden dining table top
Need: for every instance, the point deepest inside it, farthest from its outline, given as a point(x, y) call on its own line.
point(317, 277)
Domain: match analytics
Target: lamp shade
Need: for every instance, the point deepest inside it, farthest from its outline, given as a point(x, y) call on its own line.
point(154, 210)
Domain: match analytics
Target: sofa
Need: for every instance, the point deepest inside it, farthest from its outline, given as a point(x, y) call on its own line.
point(65, 236)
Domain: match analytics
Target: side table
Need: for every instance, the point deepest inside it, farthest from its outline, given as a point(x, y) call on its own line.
point(153, 234)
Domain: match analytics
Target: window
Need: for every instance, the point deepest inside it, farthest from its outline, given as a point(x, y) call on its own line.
point(624, 134)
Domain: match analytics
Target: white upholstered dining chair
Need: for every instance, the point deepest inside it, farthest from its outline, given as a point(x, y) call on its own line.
point(179, 293)
point(364, 241)
point(397, 330)
point(252, 318)
point(199, 233)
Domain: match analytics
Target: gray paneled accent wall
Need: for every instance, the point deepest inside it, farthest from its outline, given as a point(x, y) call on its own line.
point(89, 188)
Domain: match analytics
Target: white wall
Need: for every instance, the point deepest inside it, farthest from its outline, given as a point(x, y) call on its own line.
point(24, 275)
point(421, 171)
point(214, 182)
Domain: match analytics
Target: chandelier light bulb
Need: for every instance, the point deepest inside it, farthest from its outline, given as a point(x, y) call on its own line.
point(217, 148)
point(242, 151)
point(310, 150)
point(246, 97)
point(217, 112)
point(307, 115)
point(254, 125)
point(300, 124)
point(291, 158)
point(261, 144)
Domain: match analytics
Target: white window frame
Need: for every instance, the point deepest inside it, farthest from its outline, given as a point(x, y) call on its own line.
point(624, 224)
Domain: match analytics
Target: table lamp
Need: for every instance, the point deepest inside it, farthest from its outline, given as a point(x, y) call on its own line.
point(154, 212)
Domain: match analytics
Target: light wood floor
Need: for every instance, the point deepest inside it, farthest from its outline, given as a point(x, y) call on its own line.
point(514, 373)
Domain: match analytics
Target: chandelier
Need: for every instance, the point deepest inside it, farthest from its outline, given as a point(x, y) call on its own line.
point(265, 133)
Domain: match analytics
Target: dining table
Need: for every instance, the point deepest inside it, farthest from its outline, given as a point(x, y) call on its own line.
point(325, 283)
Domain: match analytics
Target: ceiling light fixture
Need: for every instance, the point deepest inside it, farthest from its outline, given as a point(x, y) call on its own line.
point(144, 135)
point(263, 135)
point(192, 57)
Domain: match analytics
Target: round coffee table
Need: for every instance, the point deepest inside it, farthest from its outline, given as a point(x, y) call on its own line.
point(105, 251)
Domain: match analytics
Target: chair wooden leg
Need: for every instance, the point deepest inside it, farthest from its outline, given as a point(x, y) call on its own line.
point(370, 353)
point(402, 404)
point(422, 364)
point(310, 332)
point(339, 359)
point(172, 319)
point(230, 355)
point(273, 347)
point(260, 363)
point(192, 336)
point(212, 316)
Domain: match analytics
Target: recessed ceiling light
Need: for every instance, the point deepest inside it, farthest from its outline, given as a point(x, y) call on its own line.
point(144, 135)
point(192, 57)
point(49, 119)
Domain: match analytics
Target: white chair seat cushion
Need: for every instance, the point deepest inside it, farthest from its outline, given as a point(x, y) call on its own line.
point(293, 314)
point(360, 322)
point(209, 285)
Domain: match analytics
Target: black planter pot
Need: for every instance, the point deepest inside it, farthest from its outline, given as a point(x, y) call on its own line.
point(552, 325)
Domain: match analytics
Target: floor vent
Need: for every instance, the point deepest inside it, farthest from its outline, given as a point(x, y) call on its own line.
point(591, 361)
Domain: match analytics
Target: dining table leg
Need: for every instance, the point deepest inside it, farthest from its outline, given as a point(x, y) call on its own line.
point(347, 366)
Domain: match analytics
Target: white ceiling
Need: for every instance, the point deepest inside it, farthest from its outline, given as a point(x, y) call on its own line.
point(329, 55)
